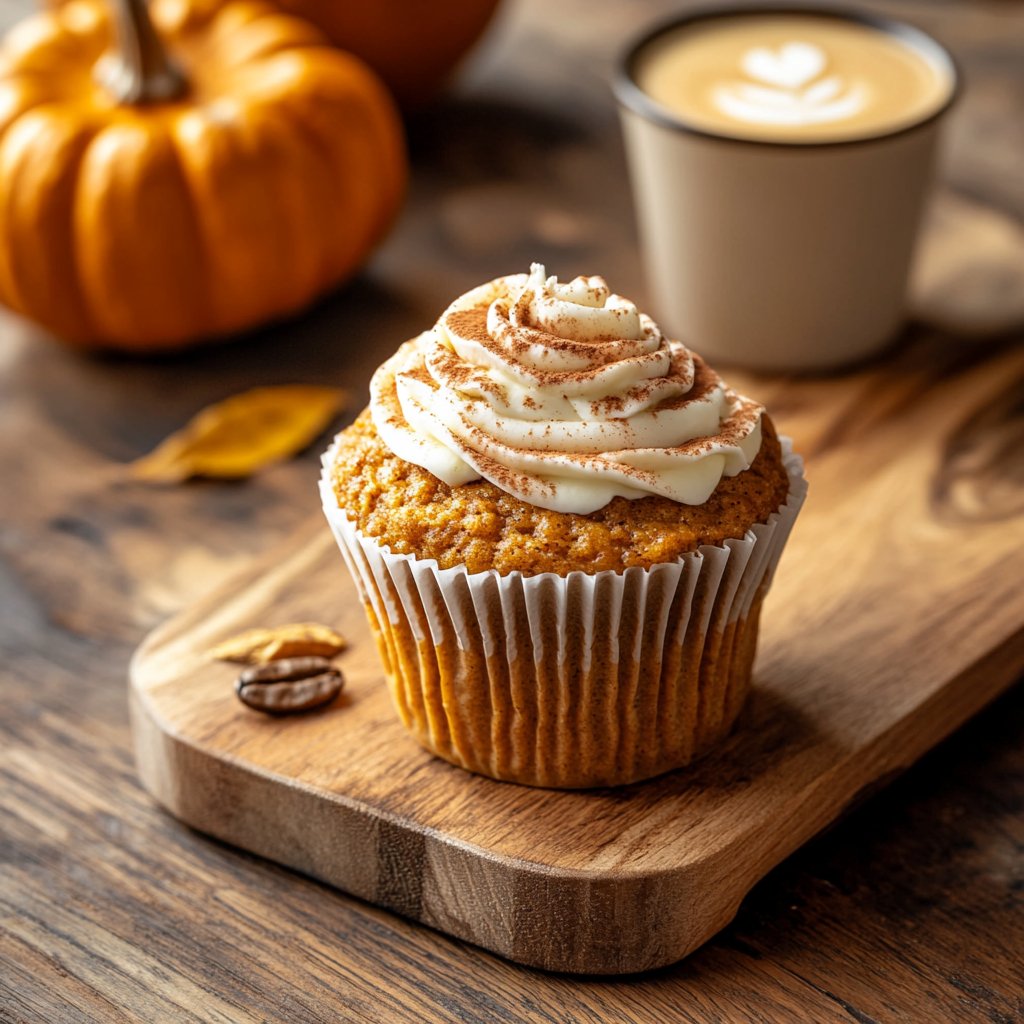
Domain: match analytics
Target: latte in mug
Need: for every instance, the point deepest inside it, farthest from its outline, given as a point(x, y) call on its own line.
point(793, 77)
point(780, 163)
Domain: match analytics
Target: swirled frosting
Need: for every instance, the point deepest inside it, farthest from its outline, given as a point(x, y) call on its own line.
point(564, 395)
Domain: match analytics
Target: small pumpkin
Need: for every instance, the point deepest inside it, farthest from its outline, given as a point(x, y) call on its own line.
point(154, 195)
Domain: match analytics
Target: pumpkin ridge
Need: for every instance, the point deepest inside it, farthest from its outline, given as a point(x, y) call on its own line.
point(390, 170)
point(231, 216)
point(302, 230)
point(33, 227)
point(202, 311)
point(333, 257)
point(140, 263)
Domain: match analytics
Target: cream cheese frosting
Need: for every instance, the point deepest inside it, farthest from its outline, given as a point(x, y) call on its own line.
point(564, 395)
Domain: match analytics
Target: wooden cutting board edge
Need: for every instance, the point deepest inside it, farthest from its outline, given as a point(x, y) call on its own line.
point(556, 936)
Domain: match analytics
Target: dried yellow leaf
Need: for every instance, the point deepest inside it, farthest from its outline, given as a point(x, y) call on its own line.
point(296, 640)
point(242, 434)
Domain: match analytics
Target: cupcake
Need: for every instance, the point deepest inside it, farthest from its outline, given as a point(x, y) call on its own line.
point(562, 525)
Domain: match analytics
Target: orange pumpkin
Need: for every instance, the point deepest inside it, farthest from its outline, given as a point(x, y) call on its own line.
point(148, 201)
point(412, 44)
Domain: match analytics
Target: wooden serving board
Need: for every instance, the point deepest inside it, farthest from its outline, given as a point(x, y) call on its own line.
point(897, 612)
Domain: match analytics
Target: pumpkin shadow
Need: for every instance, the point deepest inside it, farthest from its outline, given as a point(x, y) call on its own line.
point(468, 139)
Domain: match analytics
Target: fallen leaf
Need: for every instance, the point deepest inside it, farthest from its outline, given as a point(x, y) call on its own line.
point(296, 640)
point(243, 434)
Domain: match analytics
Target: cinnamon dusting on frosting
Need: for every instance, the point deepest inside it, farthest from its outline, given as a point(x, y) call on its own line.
point(563, 395)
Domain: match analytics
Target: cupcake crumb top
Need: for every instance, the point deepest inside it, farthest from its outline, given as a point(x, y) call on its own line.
point(481, 526)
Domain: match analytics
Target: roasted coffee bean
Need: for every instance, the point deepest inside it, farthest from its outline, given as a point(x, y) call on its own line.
point(289, 685)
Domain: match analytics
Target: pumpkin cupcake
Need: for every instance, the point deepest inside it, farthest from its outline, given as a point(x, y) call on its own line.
point(562, 525)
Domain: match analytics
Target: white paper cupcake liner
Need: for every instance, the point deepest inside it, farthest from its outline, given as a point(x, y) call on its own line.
point(578, 680)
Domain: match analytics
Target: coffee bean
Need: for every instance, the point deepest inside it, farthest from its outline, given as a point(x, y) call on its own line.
point(289, 685)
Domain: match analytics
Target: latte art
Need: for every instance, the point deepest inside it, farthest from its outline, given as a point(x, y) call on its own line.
point(564, 395)
point(793, 77)
point(791, 91)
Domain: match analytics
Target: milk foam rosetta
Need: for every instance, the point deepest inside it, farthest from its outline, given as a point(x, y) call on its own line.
point(793, 77)
point(564, 395)
point(790, 86)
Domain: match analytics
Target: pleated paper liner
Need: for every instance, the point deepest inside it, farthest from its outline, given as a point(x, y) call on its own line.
point(589, 679)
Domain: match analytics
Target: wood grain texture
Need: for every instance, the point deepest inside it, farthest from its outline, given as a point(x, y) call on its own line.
point(854, 683)
point(910, 910)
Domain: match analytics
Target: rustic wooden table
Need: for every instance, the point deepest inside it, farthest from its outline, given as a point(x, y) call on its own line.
point(110, 910)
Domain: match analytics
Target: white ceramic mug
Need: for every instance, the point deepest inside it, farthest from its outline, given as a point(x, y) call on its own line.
point(778, 255)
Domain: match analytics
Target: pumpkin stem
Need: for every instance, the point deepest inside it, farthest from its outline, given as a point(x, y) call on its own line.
point(139, 70)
